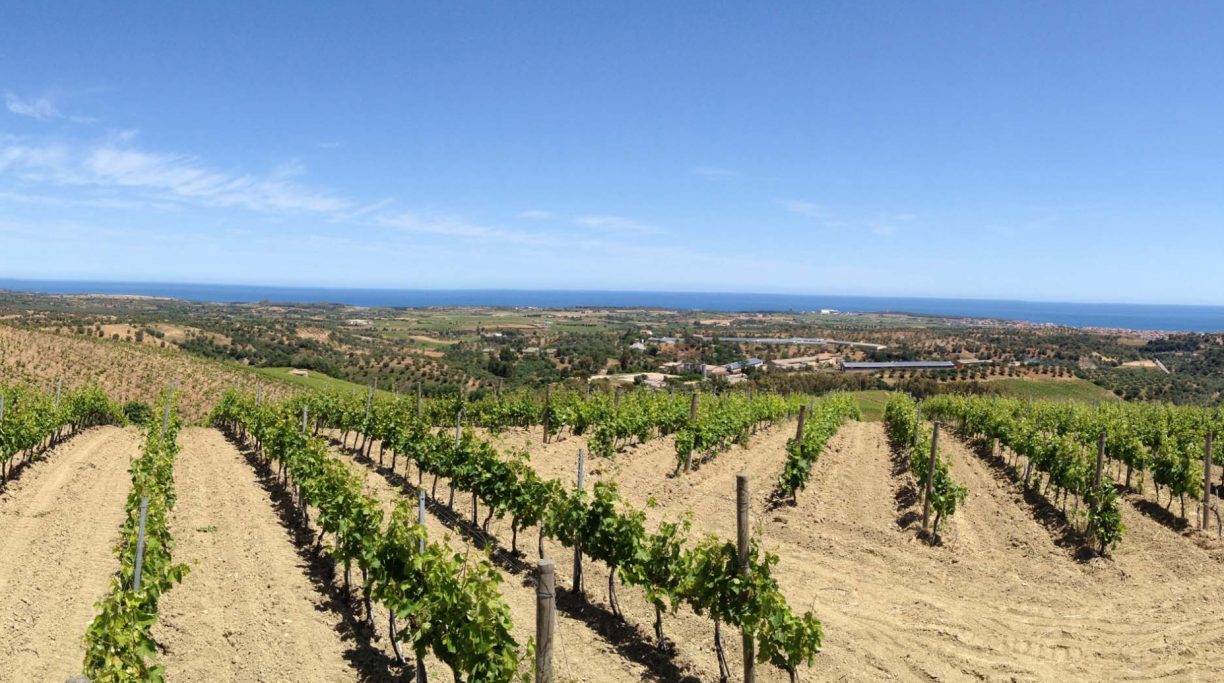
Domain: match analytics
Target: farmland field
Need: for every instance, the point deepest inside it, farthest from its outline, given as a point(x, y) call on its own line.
point(762, 343)
point(1005, 597)
point(1054, 390)
point(1012, 589)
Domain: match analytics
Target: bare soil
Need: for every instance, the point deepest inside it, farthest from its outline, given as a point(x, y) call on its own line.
point(59, 522)
point(250, 609)
point(1007, 596)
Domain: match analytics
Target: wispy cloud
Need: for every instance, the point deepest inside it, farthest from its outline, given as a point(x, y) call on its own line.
point(714, 172)
point(164, 176)
point(535, 214)
point(454, 226)
point(364, 210)
point(888, 224)
point(804, 208)
point(883, 224)
point(608, 223)
point(92, 202)
point(35, 108)
point(41, 108)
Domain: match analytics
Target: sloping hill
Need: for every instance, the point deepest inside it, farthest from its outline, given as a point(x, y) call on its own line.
point(126, 371)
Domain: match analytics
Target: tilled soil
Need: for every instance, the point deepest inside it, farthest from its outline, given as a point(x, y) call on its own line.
point(1007, 596)
point(250, 609)
point(59, 523)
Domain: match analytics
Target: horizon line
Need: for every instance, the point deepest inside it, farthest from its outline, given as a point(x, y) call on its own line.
point(349, 288)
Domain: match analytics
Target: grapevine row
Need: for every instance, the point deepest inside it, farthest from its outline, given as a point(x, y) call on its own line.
point(450, 603)
point(118, 644)
point(704, 576)
point(1043, 435)
point(819, 425)
point(731, 419)
point(32, 421)
point(910, 436)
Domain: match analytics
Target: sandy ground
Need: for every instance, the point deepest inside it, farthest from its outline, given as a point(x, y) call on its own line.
point(249, 610)
point(1005, 598)
point(58, 524)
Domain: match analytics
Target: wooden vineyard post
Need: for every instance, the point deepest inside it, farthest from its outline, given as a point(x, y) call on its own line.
point(688, 459)
point(546, 604)
point(577, 587)
point(616, 398)
point(547, 409)
point(742, 506)
point(258, 393)
point(3, 465)
point(419, 407)
point(140, 542)
point(918, 427)
point(1207, 478)
point(166, 414)
point(1100, 460)
point(926, 489)
point(458, 430)
point(450, 501)
point(421, 674)
point(421, 517)
point(365, 422)
point(802, 419)
point(301, 488)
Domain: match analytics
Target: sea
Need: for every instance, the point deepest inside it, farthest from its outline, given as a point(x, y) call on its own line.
point(1161, 317)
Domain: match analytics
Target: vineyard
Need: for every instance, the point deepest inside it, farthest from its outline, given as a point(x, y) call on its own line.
point(1084, 453)
point(706, 576)
point(373, 536)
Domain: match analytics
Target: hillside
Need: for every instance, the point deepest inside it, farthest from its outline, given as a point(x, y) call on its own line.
point(127, 372)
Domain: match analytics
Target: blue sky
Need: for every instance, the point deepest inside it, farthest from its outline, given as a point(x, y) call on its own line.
point(1044, 151)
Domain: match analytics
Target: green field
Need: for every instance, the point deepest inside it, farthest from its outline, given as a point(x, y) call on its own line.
point(871, 403)
point(1054, 390)
point(315, 380)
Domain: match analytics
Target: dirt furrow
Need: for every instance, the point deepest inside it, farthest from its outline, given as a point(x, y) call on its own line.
point(58, 526)
point(1005, 598)
point(250, 609)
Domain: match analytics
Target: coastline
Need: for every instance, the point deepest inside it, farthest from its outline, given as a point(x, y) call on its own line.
point(1103, 318)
